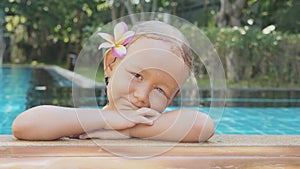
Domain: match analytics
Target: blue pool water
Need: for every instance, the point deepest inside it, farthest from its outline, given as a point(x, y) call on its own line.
point(257, 121)
point(273, 121)
point(14, 86)
point(248, 112)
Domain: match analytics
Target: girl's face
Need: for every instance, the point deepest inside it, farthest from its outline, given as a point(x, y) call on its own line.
point(149, 76)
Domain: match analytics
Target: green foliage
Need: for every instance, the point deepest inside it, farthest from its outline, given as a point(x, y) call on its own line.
point(268, 60)
point(46, 31)
point(51, 29)
point(282, 13)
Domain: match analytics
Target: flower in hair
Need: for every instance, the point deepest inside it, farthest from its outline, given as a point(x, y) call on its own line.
point(117, 42)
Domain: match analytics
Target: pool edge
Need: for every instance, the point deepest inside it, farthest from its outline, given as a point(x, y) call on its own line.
point(216, 140)
point(222, 151)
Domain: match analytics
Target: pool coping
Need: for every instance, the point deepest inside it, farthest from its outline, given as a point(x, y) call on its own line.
point(221, 151)
point(216, 140)
point(75, 78)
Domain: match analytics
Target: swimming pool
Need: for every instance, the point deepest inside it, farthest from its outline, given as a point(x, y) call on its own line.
point(259, 111)
point(258, 120)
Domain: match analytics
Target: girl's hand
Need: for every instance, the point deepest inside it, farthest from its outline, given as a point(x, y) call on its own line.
point(129, 118)
point(106, 134)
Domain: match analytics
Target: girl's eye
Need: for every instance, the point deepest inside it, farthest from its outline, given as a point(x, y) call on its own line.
point(161, 91)
point(136, 75)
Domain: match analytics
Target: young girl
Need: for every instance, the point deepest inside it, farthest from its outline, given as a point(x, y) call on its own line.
point(145, 69)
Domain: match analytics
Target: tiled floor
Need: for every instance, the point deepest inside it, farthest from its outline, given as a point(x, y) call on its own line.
point(222, 151)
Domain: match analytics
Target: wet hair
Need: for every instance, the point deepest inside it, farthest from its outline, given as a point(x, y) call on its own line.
point(162, 31)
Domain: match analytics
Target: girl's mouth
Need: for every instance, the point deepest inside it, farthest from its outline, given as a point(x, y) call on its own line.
point(127, 105)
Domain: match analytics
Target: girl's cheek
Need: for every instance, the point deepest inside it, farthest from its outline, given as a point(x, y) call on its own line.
point(121, 83)
point(157, 101)
point(118, 86)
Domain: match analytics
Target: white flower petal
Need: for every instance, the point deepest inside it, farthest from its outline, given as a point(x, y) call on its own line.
point(107, 37)
point(106, 45)
point(119, 30)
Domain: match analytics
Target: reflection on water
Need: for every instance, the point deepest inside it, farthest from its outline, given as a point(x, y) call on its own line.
point(257, 97)
point(235, 97)
point(58, 91)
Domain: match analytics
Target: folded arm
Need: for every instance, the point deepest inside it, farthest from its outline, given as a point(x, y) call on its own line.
point(53, 122)
point(179, 125)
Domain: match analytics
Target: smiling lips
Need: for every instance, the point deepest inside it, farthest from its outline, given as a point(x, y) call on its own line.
point(128, 105)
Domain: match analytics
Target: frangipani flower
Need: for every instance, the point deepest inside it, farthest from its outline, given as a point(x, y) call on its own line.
point(117, 42)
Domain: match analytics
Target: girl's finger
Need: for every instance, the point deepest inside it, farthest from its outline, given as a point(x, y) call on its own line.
point(148, 112)
point(143, 120)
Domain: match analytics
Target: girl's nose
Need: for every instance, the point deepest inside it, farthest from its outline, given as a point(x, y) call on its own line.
point(141, 93)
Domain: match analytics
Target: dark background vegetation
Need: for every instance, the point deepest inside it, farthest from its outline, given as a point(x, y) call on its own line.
point(258, 41)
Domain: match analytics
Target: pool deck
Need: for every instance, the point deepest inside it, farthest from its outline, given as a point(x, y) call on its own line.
point(221, 151)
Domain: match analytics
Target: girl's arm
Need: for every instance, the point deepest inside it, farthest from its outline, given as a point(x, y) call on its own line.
point(53, 122)
point(184, 126)
point(179, 125)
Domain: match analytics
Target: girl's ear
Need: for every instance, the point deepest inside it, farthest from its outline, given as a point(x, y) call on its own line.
point(109, 63)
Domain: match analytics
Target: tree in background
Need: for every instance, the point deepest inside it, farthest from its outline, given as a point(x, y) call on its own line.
point(49, 30)
point(281, 13)
point(230, 14)
point(2, 42)
point(46, 31)
point(266, 15)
